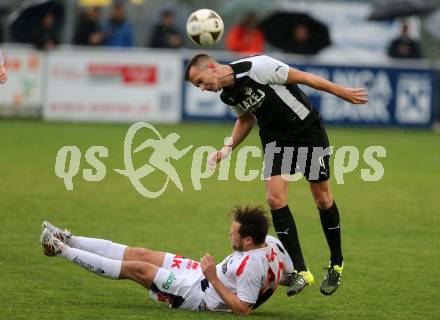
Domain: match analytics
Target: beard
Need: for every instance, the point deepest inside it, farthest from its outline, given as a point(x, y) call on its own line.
point(237, 247)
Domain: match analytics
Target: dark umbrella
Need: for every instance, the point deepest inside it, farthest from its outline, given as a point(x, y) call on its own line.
point(391, 9)
point(24, 21)
point(296, 32)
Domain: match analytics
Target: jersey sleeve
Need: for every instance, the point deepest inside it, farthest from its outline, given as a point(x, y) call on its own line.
point(237, 110)
point(1, 57)
point(287, 261)
point(268, 70)
point(249, 282)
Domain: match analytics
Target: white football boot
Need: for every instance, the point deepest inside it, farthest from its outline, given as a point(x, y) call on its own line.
point(62, 235)
point(52, 246)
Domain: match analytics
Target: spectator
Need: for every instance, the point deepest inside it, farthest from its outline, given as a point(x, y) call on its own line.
point(45, 36)
point(118, 31)
point(302, 40)
point(88, 31)
point(165, 33)
point(404, 47)
point(246, 37)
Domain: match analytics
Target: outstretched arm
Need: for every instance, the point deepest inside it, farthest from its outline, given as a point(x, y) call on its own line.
point(209, 270)
point(352, 95)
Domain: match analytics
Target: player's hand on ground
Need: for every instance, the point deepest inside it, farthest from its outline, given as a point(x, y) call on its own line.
point(354, 95)
point(3, 74)
point(207, 263)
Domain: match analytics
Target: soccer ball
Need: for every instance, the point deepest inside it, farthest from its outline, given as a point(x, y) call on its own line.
point(204, 27)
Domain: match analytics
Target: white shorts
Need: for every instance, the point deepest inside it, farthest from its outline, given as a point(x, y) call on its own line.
point(179, 283)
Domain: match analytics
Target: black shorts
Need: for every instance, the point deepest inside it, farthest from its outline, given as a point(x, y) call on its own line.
point(308, 153)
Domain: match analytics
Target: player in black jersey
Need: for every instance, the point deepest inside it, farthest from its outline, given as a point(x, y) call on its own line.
point(264, 90)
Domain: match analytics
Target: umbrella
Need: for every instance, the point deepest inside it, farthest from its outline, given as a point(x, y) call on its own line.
point(390, 9)
point(296, 32)
point(23, 21)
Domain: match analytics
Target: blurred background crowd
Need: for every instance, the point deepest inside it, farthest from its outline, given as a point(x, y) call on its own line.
point(252, 26)
point(391, 47)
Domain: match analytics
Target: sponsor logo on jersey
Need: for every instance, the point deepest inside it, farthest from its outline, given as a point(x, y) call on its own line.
point(194, 265)
point(225, 267)
point(228, 260)
point(177, 261)
point(253, 101)
point(167, 284)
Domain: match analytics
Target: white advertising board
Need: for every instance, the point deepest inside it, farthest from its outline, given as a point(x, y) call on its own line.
point(114, 86)
point(22, 93)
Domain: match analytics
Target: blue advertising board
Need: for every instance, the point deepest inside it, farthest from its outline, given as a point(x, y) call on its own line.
point(397, 97)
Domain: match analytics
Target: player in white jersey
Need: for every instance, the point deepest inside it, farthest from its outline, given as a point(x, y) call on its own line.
point(253, 275)
point(3, 73)
point(240, 283)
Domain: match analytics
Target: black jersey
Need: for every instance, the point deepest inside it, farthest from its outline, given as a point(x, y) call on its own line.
point(282, 110)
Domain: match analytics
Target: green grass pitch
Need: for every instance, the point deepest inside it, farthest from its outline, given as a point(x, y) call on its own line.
point(390, 228)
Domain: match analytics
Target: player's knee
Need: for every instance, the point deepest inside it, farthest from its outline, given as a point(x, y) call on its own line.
point(136, 254)
point(138, 271)
point(276, 200)
point(135, 269)
point(324, 200)
point(143, 254)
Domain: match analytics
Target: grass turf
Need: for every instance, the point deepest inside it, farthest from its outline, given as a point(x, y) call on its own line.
point(390, 227)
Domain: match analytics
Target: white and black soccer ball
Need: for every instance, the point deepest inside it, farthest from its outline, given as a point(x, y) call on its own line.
point(205, 27)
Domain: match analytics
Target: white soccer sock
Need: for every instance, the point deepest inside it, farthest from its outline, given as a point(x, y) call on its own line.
point(93, 262)
point(104, 248)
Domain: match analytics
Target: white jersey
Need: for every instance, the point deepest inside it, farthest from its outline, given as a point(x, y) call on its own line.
point(252, 275)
